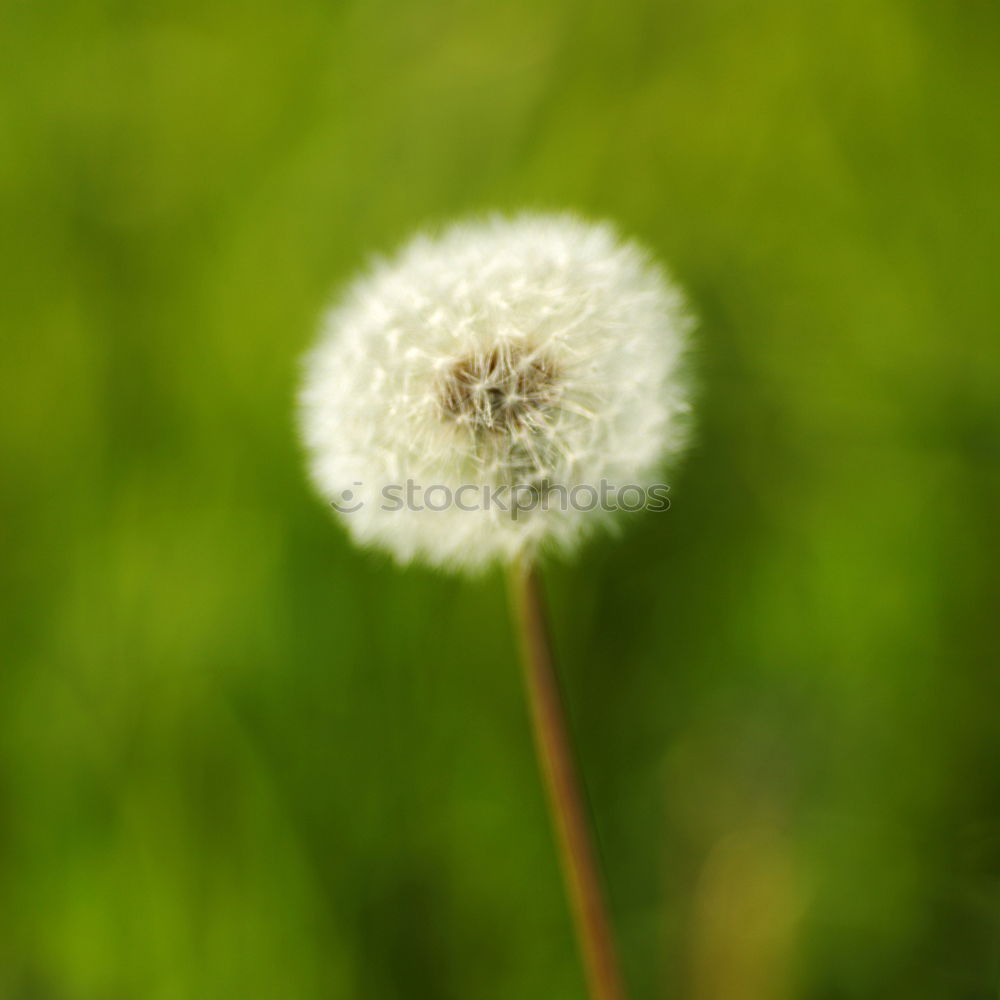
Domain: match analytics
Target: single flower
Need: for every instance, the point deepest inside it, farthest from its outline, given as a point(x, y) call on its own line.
point(462, 389)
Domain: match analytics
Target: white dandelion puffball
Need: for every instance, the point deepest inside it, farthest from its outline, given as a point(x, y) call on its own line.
point(469, 396)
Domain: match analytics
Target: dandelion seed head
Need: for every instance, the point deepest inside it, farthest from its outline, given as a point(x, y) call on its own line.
point(531, 352)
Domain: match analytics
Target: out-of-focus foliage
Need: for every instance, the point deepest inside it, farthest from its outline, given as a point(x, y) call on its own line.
point(240, 759)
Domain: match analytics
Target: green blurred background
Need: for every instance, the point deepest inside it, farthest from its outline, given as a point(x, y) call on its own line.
point(239, 759)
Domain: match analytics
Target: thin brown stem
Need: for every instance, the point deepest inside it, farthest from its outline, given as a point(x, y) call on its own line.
point(565, 794)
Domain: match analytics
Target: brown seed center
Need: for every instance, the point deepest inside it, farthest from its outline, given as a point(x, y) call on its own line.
point(499, 390)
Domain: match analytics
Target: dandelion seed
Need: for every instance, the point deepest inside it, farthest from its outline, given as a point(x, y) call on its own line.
point(537, 351)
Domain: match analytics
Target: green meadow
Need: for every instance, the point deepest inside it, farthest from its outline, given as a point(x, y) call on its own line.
point(241, 759)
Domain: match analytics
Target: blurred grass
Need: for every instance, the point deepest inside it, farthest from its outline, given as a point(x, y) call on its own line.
point(240, 759)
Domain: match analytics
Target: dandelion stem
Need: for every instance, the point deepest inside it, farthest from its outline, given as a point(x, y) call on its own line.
point(565, 792)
